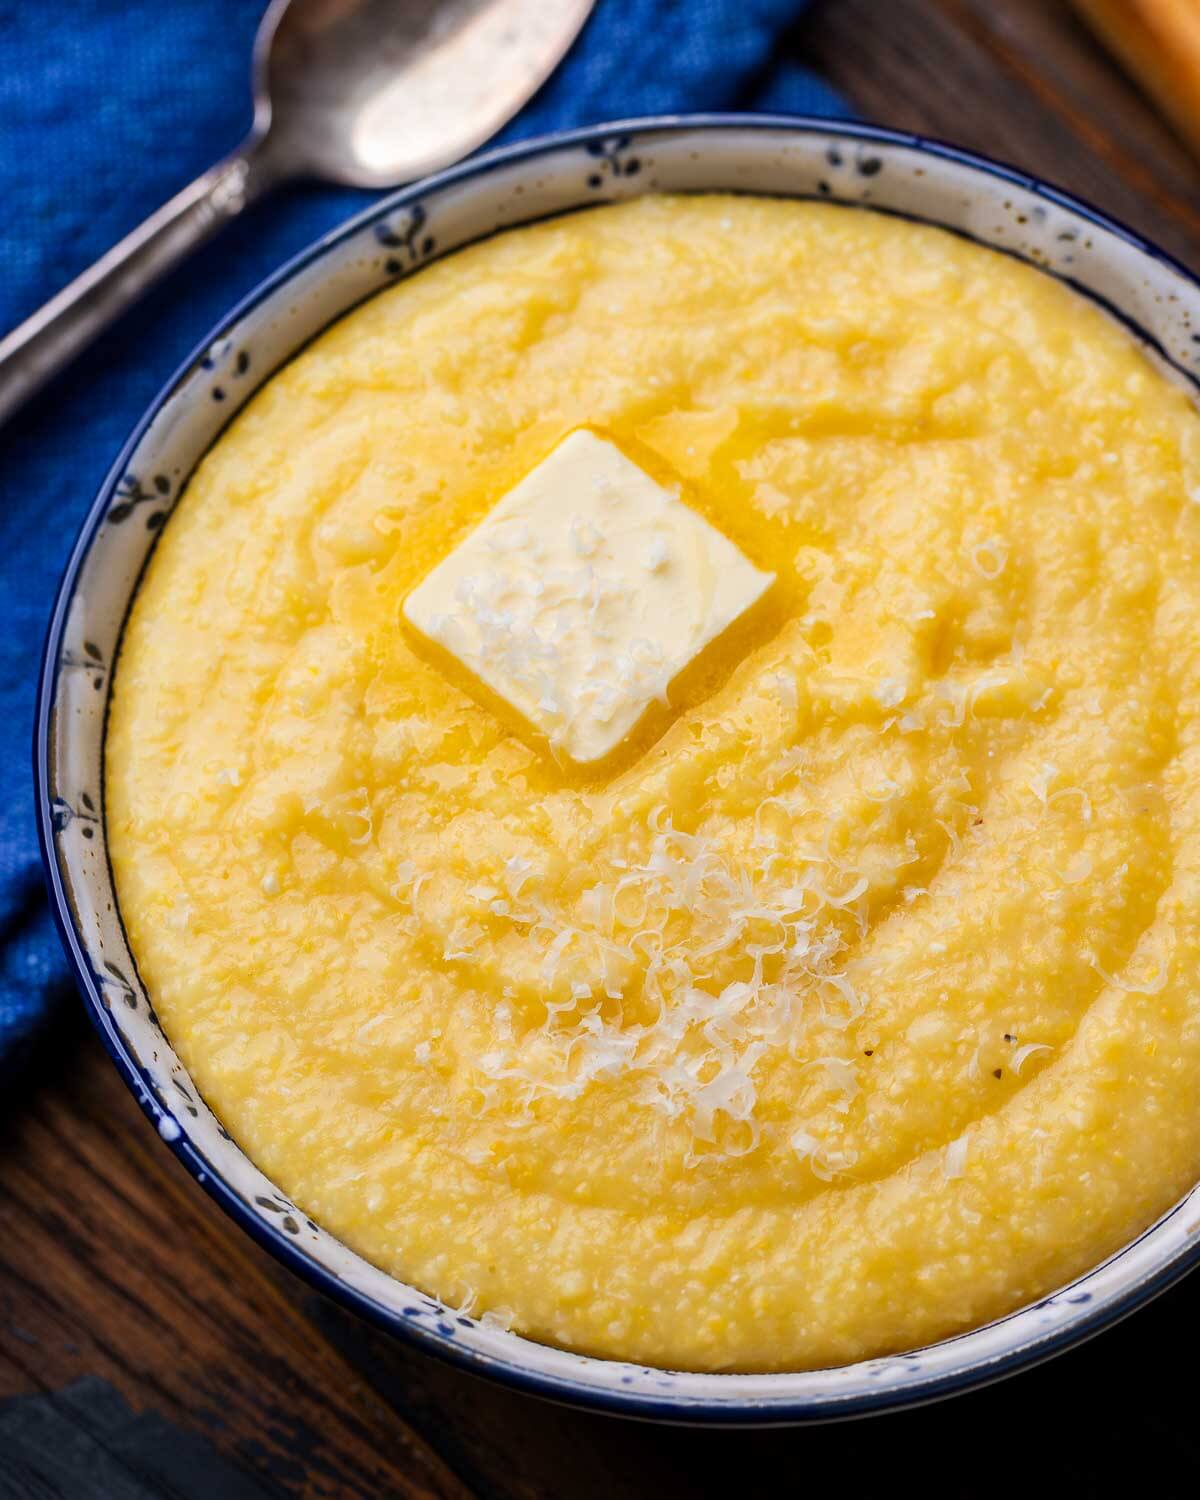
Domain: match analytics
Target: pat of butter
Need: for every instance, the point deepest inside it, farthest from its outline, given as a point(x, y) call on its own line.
point(583, 593)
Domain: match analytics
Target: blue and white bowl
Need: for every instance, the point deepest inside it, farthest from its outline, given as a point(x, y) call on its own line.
point(855, 164)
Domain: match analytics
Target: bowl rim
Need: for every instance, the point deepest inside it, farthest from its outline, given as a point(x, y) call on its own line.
point(682, 1410)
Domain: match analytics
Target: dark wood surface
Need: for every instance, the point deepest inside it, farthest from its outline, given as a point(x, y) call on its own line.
point(116, 1271)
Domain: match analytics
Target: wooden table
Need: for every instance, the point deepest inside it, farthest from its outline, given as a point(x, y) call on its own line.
point(222, 1370)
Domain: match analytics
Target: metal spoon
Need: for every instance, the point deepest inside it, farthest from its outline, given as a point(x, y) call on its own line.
point(371, 93)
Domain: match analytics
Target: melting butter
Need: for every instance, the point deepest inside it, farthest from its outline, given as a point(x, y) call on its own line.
point(583, 594)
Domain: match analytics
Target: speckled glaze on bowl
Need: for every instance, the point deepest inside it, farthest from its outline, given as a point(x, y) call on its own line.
point(844, 163)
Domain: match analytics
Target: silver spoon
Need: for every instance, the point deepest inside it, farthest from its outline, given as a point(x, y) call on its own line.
point(371, 93)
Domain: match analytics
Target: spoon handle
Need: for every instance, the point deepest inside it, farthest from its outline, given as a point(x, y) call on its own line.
point(48, 340)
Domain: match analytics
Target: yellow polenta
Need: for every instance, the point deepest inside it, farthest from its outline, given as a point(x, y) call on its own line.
point(854, 1003)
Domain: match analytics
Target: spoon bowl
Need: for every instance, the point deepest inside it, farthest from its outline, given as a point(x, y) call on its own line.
point(375, 93)
point(369, 93)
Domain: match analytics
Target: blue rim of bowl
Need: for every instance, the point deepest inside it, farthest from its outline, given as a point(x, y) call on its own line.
point(752, 1411)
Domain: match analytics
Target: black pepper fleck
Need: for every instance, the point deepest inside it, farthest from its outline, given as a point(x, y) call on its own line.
point(997, 1072)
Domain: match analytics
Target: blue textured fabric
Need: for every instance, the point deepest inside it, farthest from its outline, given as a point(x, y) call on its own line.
point(106, 108)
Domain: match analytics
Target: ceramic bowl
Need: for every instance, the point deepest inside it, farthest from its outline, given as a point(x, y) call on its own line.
point(843, 163)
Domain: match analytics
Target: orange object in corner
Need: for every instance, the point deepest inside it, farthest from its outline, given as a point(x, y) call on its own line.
point(1159, 42)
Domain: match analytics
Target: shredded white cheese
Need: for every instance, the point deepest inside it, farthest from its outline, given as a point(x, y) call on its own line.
point(1026, 1051)
point(696, 1061)
point(954, 1158)
point(1150, 986)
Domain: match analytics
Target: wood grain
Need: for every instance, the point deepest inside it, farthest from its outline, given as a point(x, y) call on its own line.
point(114, 1265)
point(1159, 42)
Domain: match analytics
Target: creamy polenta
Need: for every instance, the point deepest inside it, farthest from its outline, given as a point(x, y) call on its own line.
point(853, 1001)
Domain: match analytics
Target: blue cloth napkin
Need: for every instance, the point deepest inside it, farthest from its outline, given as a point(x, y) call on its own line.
point(106, 112)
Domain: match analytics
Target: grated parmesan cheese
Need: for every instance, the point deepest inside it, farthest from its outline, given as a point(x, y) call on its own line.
point(1023, 1053)
point(954, 1158)
point(1151, 986)
point(696, 1060)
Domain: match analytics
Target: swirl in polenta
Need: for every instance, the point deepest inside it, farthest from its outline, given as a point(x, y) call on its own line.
point(851, 1000)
